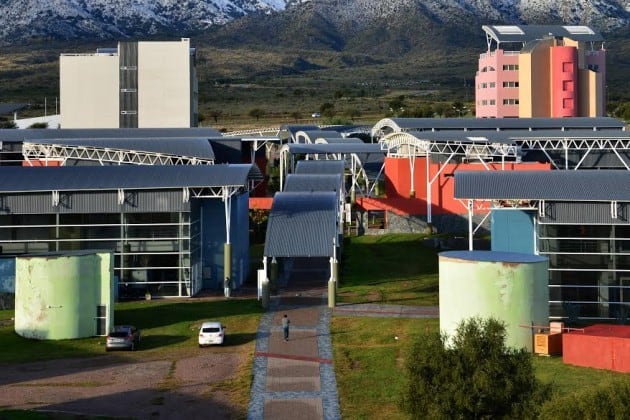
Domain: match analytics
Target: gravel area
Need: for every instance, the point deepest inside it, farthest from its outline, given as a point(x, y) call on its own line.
point(179, 385)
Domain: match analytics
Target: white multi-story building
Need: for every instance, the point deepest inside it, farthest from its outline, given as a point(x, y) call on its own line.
point(144, 84)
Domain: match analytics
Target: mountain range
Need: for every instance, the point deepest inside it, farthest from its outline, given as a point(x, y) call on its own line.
point(336, 24)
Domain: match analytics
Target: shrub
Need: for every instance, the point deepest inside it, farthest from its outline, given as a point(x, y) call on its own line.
point(473, 375)
point(606, 401)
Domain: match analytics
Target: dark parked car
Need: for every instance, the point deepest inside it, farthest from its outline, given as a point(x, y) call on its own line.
point(123, 337)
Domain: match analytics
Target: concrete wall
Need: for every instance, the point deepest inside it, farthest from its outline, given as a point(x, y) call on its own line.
point(88, 91)
point(511, 287)
point(164, 85)
point(56, 295)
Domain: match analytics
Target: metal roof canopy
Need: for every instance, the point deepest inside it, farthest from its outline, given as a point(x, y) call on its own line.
point(314, 182)
point(302, 224)
point(388, 125)
point(527, 33)
point(600, 185)
point(320, 167)
point(100, 133)
point(198, 179)
point(139, 151)
point(530, 189)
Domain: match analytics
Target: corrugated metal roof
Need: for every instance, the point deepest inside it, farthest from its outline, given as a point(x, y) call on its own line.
point(76, 178)
point(526, 33)
point(316, 182)
point(512, 136)
point(110, 133)
point(320, 167)
point(408, 124)
point(349, 147)
point(178, 146)
point(584, 185)
point(302, 225)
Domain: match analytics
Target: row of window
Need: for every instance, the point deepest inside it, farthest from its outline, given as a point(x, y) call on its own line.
point(506, 67)
point(505, 102)
point(492, 85)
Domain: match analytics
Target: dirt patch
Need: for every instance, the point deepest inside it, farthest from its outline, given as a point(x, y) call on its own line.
point(179, 385)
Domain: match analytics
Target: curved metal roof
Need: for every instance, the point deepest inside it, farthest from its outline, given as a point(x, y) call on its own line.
point(584, 185)
point(302, 224)
point(111, 133)
point(388, 125)
point(309, 183)
point(526, 33)
point(77, 178)
point(320, 167)
point(178, 146)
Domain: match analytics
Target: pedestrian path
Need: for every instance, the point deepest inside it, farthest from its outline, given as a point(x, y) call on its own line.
point(295, 379)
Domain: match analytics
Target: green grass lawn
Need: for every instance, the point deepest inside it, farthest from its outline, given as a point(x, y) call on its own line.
point(391, 269)
point(369, 365)
point(369, 361)
point(165, 325)
point(169, 330)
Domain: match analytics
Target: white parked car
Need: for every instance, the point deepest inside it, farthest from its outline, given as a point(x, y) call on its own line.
point(211, 333)
point(316, 115)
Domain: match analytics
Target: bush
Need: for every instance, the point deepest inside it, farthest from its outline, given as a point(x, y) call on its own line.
point(471, 376)
point(606, 401)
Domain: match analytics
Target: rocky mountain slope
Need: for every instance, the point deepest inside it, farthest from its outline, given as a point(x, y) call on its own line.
point(338, 22)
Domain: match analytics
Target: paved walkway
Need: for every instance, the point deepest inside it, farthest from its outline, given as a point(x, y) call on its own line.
point(296, 379)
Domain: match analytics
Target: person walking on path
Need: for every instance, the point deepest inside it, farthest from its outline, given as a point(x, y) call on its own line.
point(285, 327)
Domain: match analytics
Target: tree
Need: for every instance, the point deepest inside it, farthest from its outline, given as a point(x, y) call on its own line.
point(472, 375)
point(296, 115)
point(215, 114)
point(8, 124)
point(39, 125)
point(256, 113)
point(327, 109)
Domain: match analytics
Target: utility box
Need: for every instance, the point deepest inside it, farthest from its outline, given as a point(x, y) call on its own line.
point(549, 343)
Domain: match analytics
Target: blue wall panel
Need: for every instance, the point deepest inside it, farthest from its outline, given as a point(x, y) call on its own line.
point(214, 237)
point(512, 231)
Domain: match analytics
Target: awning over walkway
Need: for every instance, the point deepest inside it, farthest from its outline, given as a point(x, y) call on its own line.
point(302, 224)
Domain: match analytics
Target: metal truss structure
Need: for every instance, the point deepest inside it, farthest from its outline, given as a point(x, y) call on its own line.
point(580, 144)
point(62, 153)
point(407, 145)
point(361, 183)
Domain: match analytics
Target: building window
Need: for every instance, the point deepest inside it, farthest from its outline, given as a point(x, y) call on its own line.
point(567, 85)
point(484, 85)
point(484, 102)
point(567, 103)
point(492, 84)
point(493, 102)
point(567, 67)
point(510, 84)
point(510, 67)
point(510, 102)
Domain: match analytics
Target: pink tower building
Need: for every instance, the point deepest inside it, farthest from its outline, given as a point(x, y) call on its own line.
point(541, 71)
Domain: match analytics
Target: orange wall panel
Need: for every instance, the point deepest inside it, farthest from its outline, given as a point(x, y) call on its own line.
point(398, 180)
point(601, 346)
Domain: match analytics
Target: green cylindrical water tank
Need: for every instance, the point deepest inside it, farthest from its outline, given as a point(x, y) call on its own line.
point(61, 296)
point(511, 287)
